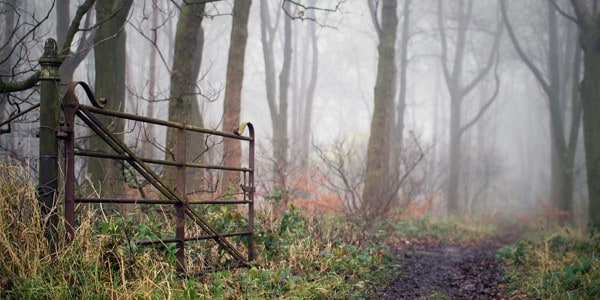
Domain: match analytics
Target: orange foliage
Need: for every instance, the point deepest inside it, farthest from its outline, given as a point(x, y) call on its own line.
point(411, 208)
point(553, 214)
point(313, 200)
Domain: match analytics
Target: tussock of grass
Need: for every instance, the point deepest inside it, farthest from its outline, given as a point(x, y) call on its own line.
point(555, 263)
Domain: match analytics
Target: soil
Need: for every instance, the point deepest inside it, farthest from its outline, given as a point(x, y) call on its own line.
point(434, 269)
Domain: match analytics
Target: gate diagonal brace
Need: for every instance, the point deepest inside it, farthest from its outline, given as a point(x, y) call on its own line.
point(118, 146)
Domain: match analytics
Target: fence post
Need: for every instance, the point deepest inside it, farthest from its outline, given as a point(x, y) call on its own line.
point(180, 157)
point(49, 126)
point(251, 166)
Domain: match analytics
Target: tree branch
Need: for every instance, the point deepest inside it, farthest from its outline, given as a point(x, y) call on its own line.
point(373, 12)
point(20, 85)
point(488, 103)
point(443, 42)
point(536, 72)
point(81, 11)
point(302, 15)
point(490, 62)
point(583, 14)
point(562, 12)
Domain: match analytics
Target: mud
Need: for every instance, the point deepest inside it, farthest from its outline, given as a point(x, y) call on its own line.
point(433, 269)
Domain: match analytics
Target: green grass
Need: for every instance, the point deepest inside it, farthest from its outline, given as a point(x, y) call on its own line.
point(299, 257)
point(555, 263)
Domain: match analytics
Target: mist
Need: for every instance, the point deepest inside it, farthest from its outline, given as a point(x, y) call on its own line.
point(504, 148)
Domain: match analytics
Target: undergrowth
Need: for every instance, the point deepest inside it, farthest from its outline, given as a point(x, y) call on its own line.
point(298, 256)
point(450, 229)
point(555, 263)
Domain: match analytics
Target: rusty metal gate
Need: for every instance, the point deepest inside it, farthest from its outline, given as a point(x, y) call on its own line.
point(53, 130)
point(176, 196)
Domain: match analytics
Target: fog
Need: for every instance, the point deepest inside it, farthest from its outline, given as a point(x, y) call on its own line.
point(505, 155)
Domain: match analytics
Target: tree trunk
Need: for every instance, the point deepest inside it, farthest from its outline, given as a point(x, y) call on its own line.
point(148, 130)
point(278, 106)
point(562, 148)
point(280, 131)
point(183, 82)
point(378, 193)
point(589, 37)
point(458, 90)
point(197, 145)
point(232, 149)
point(398, 131)
point(63, 18)
point(310, 97)
point(109, 55)
point(454, 156)
point(590, 98)
point(6, 62)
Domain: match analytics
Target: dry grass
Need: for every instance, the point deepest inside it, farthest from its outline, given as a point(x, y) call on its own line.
point(299, 256)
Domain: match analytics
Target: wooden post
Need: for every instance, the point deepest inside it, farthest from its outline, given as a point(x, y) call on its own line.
point(49, 127)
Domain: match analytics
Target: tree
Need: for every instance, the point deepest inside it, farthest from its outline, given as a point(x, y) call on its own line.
point(378, 191)
point(589, 39)
point(307, 65)
point(183, 101)
point(278, 104)
point(398, 127)
point(6, 48)
point(72, 59)
point(232, 149)
point(110, 60)
point(454, 71)
point(555, 85)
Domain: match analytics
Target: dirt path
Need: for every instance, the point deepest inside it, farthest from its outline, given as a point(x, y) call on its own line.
point(434, 269)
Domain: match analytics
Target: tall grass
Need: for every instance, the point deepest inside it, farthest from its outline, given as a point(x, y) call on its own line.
point(301, 257)
point(554, 263)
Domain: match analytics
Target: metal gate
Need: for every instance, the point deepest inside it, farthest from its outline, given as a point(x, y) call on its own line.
point(172, 196)
point(52, 131)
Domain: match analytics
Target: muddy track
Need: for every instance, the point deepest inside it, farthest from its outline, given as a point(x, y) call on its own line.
point(433, 269)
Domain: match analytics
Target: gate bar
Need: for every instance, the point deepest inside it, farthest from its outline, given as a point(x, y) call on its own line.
point(158, 161)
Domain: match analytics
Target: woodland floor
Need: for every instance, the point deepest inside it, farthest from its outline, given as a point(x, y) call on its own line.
point(434, 269)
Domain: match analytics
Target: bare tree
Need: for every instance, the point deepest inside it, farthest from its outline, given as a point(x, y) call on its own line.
point(552, 74)
point(278, 103)
point(454, 70)
point(398, 127)
point(306, 67)
point(586, 16)
point(378, 192)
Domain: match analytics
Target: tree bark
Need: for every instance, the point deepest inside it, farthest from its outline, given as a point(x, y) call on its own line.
point(402, 79)
point(280, 131)
point(6, 45)
point(232, 149)
point(183, 82)
point(278, 104)
point(589, 37)
point(110, 61)
point(377, 192)
point(310, 98)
